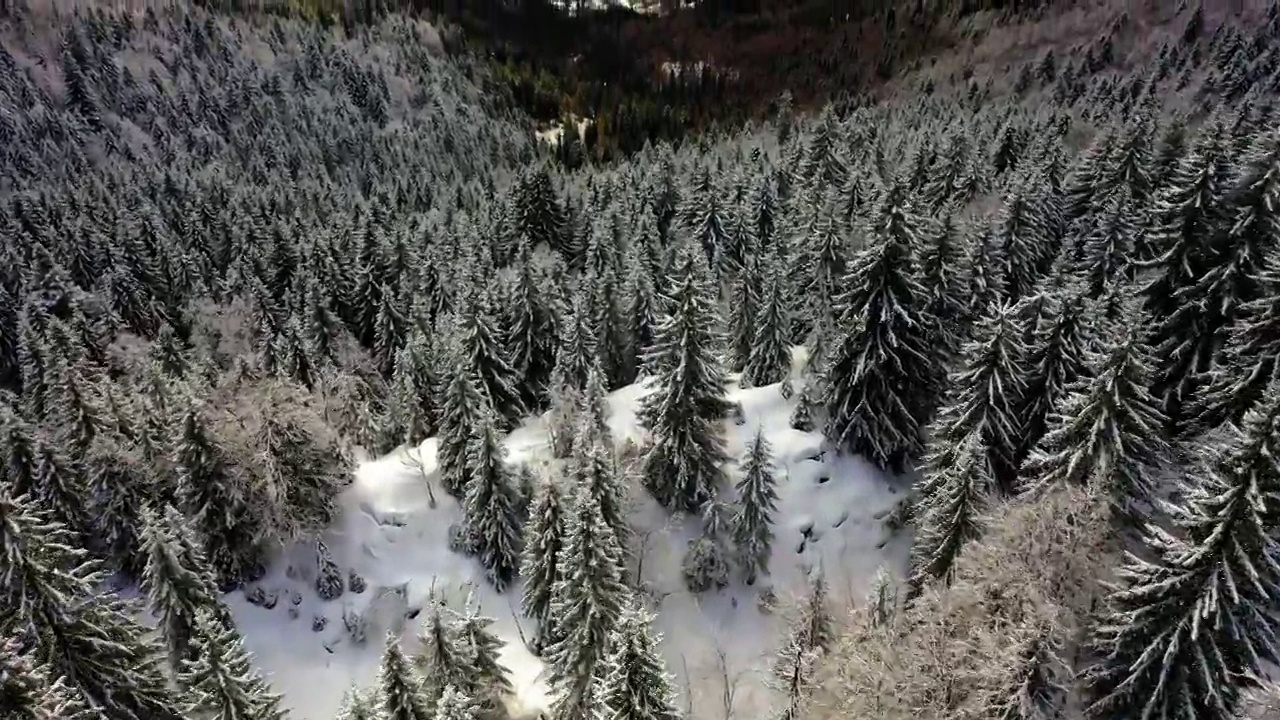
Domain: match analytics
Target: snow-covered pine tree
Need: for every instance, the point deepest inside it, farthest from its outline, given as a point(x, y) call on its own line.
point(21, 682)
point(531, 331)
point(544, 537)
point(577, 350)
point(178, 583)
point(490, 504)
point(769, 355)
point(460, 410)
point(1249, 358)
point(483, 356)
point(19, 459)
point(587, 599)
point(956, 488)
point(945, 278)
point(642, 309)
point(329, 577)
point(633, 683)
point(745, 304)
point(757, 502)
point(687, 404)
point(593, 413)
point(358, 704)
point(988, 394)
point(1023, 233)
point(1186, 630)
point(400, 689)
point(490, 681)
point(1192, 337)
point(1108, 244)
point(1057, 355)
point(814, 627)
point(91, 637)
point(455, 704)
point(882, 375)
point(212, 500)
point(220, 678)
point(411, 406)
point(1108, 430)
point(445, 659)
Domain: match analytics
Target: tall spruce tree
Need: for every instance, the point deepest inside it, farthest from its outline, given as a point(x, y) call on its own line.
point(587, 599)
point(989, 389)
point(881, 376)
point(178, 583)
point(445, 658)
point(212, 500)
point(1187, 627)
point(400, 691)
point(490, 682)
point(220, 678)
point(769, 355)
point(687, 403)
point(1108, 431)
point(632, 682)
point(490, 505)
point(956, 488)
point(485, 358)
point(545, 536)
point(90, 637)
point(757, 503)
point(460, 410)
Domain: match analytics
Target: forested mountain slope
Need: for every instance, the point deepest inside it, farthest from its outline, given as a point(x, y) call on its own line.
point(242, 254)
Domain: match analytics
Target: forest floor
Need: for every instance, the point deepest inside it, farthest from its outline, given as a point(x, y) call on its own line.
point(717, 644)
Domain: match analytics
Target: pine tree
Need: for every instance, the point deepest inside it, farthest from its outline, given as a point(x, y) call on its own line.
point(483, 356)
point(745, 302)
point(1057, 355)
point(545, 534)
point(212, 501)
point(402, 698)
point(489, 682)
point(490, 505)
point(1108, 431)
point(48, 584)
point(769, 355)
point(177, 581)
point(531, 324)
point(577, 351)
point(1108, 244)
point(20, 683)
point(455, 705)
point(633, 683)
point(988, 396)
point(445, 658)
point(358, 705)
point(757, 503)
point(329, 580)
point(587, 599)
point(221, 680)
point(412, 406)
point(1023, 233)
point(686, 405)
point(1186, 629)
point(460, 410)
point(943, 276)
point(881, 374)
point(594, 467)
point(956, 489)
point(1193, 336)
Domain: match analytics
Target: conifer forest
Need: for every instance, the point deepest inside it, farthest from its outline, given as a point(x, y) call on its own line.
point(335, 382)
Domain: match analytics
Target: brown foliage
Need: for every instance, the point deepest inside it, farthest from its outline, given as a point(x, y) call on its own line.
point(961, 652)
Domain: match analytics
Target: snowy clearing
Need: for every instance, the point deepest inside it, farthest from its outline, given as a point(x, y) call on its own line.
point(828, 514)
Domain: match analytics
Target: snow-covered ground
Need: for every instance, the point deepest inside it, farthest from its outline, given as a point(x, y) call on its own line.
point(828, 514)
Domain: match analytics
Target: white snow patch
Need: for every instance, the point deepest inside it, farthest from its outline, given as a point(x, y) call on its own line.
point(828, 513)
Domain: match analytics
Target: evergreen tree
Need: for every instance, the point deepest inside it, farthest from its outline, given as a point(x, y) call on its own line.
point(593, 467)
point(545, 534)
point(531, 324)
point(586, 601)
point(20, 683)
point(400, 691)
point(460, 410)
point(455, 705)
point(943, 276)
point(487, 361)
point(178, 584)
point(757, 503)
point(745, 302)
point(956, 488)
point(1192, 337)
point(881, 373)
point(1187, 628)
point(633, 683)
point(1023, 232)
point(1248, 366)
point(988, 396)
point(1107, 246)
point(412, 403)
point(577, 352)
point(687, 404)
point(358, 705)
point(769, 355)
point(210, 498)
point(1108, 430)
point(1057, 355)
point(221, 680)
point(489, 682)
point(490, 505)
point(81, 633)
point(445, 658)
